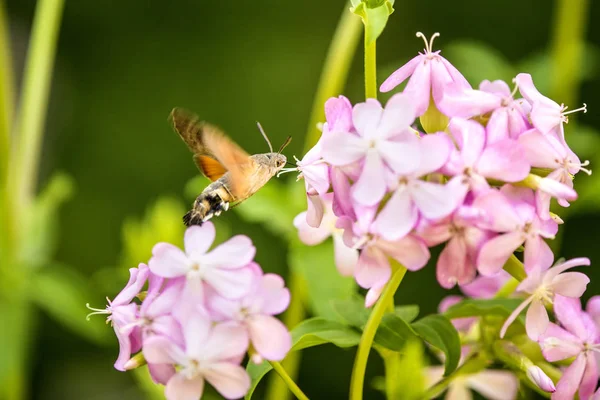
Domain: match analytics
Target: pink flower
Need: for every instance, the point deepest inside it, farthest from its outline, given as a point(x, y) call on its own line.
point(579, 337)
point(492, 384)
point(546, 115)
point(457, 261)
point(511, 211)
point(429, 74)
point(122, 312)
point(221, 268)
point(486, 287)
point(508, 117)
point(268, 297)
point(383, 142)
point(543, 285)
point(478, 159)
point(414, 196)
point(539, 377)
point(209, 353)
point(373, 268)
point(345, 257)
point(461, 324)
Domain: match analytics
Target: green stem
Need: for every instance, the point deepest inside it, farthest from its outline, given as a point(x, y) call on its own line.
point(288, 381)
point(366, 340)
point(6, 94)
point(34, 101)
point(515, 267)
point(335, 70)
point(276, 388)
point(370, 70)
point(508, 288)
point(567, 46)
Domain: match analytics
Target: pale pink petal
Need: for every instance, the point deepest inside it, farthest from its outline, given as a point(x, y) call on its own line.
point(495, 252)
point(137, 279)
point(557, 189)
point(168, 261)
point(558, 344)
point(226, 340)
point(125, 348)
point(163, 303)
point(342, 204)
point(401, 156)
point(440, 79)
point(419, 87)
point(274, 295)
point(269, 337)
point(497, 126)
point(536, 321)
point(220, 308)
point(497, 87)
point(370, 187)
point(198, 239)
point(161, 373)
point(571, 379)
point(342, 148)
point(455, 74)
point(514, 315)
point(372, 268)
point(316, 176)
point(366, 117)
point(471, 136)
point(494, 384)
point(537, 254)
point(454, 265)
point(458, 390)
point(570, 315)
point(160, 350)
point(502, 216)
point(307, 234)
point(570, 284)
point(345, 257)
point(231, 284)
point(539, 150)
point(373, 295)
point(527, 88)
point(401, 74)
point(562, 267)
point(315, 210)
point(398, 115)
point(504, 160)
point(181, 388)
point(545, 115)
point(466, 103)
point(435, 151)
point(539, 377)
point(338, 111)
point(237, 252)
point(433, 200)
point(231, 380)
point(409, 251)
point(593, 306)
point(486, 287)
point(590, 378)
point(196, 329)
point(398, 217)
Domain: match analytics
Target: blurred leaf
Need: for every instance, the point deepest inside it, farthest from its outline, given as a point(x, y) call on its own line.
point(309, 333)
point(412, 365)
point(375, 14)
point(439, 332)
point(324, 282)
point(407, 313)
point(41, 223)
point(63, 293)
point(482, 308)
point(394, 332)
point(145, 382)
point(352, 311)
point(17, 323)
point(478, 61)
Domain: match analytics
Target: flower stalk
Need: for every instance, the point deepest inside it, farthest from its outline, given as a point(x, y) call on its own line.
point(370, 69)
point(288, 381)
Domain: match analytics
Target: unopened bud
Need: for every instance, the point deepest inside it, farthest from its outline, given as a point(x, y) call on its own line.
point(539, 377)
point(136, 361)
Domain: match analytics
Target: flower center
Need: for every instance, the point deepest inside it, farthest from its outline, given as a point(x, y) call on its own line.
point(192, 369)
point(429, 44)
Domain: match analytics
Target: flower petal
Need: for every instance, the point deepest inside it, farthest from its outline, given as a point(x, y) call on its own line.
point(235, 253)
point(558, 344)
point(401, 74)
point(307, 234)
point(419, 87)
point(168, 261)
point(494, 384)
point(435, 151)
point(398, 217)
point(537, 254)
point(401, 155)
point(571, 379)
point(434, 200)
point(198, 239)
point(226, 340)
point(536, 321)
point(471, 136)
point(398, 115)
point(269, 337)
point(274, 295)
point(159, 350)
point(590, 378)
point(495, 252)
point(570, 284)
point(181, 388)
point(466, 103)
point(338, 111)
point(542, 151)
point(231, 380)
point(372, 268)
point(137, 279)
point(370, 187)
point(454, 265)
point(409, 251)
point(503, 160)
point(366, 117)
point(570, 315)
point(231, 284)
point(315, 210)
point(345, 257)
point(343, 148)
point(161, 373)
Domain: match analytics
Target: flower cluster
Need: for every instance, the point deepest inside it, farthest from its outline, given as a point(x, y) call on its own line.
point(478, 175)
point(201, 312)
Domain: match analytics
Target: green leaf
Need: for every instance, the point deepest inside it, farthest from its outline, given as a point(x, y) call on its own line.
point(439, 332)
point(408, 312)
point(375, 14)
point(41, 224)
point(352, 311)
point(489, 63)
point(311, 332)
point(482, 308)
point(412, 367)
point(394, 332)
point(63, 293)
point(324, 282)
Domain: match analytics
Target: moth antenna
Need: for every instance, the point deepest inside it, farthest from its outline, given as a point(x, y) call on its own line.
point(284, 145)
point(260, 128)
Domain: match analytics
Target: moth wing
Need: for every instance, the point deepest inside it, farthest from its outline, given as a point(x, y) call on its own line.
point(214, 152)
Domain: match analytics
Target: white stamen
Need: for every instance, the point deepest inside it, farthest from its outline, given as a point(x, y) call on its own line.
point(96, 311)
point(286, 170)
point(362, 241)
point(428, 45)
point(585, 170)
point(584, 109)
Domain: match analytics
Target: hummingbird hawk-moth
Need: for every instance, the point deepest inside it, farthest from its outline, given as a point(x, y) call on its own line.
point(235, 174)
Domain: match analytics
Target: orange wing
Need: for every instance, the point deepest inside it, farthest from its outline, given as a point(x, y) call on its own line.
point(214, 152)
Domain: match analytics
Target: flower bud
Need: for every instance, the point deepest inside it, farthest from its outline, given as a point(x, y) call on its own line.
point(537, 376)
point(136, 361)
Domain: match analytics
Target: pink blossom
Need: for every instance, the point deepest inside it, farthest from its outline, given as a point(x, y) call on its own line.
point(414, 196)
point(486, 287)
point(543, 285)
point(539, 377)
point(512, 212)
point(268, 297)
point(457, 261)
point(383, 141)
point(491, 384)
point(461, 324)
point(478, 159)
point(508, 117)
point(221, 268)
point(345, 257)
point(546, 115)
point(578, 337)
point(207, 355)
point(429, 74)
point(373, 268)
point(122, 312)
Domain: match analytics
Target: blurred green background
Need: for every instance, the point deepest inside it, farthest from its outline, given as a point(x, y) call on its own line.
point(121, 67)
